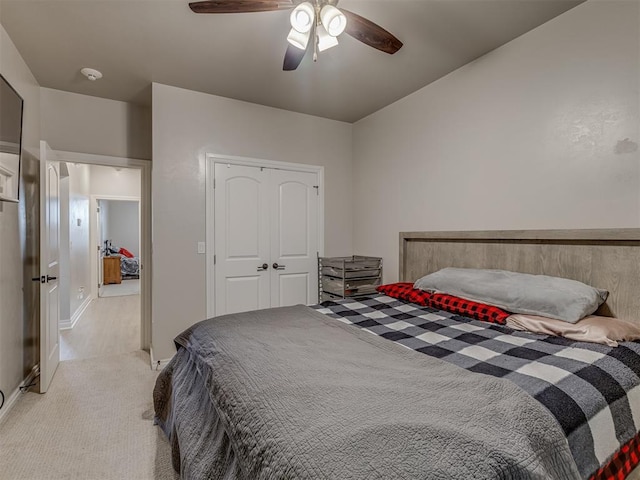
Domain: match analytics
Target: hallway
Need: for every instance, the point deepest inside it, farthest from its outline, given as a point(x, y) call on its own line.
point(109, 326)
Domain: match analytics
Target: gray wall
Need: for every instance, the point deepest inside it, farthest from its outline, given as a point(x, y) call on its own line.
point(18, 240)
point(123, 224)
point(80, 123)
point(186, 126)
point(540, 133)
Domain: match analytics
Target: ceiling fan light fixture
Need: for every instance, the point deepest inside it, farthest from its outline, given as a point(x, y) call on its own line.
point(325, 41)
point(298, 39)
point(302, 17)
point(333, 20)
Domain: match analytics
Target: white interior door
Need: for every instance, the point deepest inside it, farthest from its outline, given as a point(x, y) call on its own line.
point(294, 238)
point(241, 238)
point(49, 265)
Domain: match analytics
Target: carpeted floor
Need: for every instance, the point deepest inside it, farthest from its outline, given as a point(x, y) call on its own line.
point(96, 422)
point(109, 326)
point(126, 287)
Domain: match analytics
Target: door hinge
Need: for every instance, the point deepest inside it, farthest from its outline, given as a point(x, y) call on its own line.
point(214, 259)
point(214, 183)
point(317, 187)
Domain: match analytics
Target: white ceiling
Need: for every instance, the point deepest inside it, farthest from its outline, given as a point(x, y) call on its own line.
point(136, 42)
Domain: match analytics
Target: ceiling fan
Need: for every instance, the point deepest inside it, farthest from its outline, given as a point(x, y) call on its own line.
point(315, 25)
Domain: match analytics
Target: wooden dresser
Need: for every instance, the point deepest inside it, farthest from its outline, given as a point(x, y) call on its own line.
point(111, 270)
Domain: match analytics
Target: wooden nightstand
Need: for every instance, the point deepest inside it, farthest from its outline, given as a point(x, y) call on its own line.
point(111, 270)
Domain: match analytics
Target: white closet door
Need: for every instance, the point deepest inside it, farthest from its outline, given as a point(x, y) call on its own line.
point(241, 238)
point(294, 238)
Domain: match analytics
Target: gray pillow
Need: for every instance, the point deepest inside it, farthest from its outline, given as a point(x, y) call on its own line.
point(553, 297)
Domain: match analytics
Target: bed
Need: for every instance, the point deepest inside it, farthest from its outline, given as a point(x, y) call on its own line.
point(129, 267)
point(359, 389)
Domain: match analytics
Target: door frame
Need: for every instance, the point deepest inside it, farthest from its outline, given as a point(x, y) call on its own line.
point(211, 160)
point(145, 226)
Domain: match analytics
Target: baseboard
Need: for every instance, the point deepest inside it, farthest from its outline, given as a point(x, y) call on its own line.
point(10, 402)
point(157, 364)
point(69, 324)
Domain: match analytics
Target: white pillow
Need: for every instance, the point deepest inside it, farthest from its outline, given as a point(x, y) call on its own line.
point(553, 297)
point(605, 330)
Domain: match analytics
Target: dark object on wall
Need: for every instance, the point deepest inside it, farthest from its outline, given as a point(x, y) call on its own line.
point(11, 106)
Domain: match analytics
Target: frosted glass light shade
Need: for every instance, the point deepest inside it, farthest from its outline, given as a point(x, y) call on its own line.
point(333, 20)
point(297, 39)
point(302, 17)
point(325, 41)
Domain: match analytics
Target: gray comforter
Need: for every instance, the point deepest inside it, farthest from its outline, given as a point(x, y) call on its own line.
point(289, 393)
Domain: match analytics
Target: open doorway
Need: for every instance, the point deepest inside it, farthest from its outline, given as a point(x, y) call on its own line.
point(102, 248)
point(118, 228)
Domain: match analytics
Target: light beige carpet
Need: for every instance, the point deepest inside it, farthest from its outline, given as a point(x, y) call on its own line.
point(126, 287)
point(96, 422)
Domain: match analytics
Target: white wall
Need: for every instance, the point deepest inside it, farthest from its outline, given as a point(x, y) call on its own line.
point(112, 182)
point(18, 236)
point(81, 123)
point(104, 221)
point(186, 126)
point(540, 133)
point(79, 247)
point(64, 280)
point(123, 224)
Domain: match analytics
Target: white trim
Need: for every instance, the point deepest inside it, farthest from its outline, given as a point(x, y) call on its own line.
point(145, 227)
point(10, 402)
point(105, 160)
point(210, 236)
point(259, 162)
point(154, 363)
point(115, 197)
point(70, 323)
point(211, 160)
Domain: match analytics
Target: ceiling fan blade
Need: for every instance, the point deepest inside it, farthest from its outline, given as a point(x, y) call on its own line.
point(371, 34)
point(240, 6)
point(292, 58)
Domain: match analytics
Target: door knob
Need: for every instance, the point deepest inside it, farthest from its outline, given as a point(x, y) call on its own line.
point(262, 267)
point(278, 267)
point(49, 278)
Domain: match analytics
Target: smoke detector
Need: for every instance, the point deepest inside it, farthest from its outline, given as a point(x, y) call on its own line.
point(91, 74)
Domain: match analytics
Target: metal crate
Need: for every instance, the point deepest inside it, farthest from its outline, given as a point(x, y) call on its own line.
point(344, 277)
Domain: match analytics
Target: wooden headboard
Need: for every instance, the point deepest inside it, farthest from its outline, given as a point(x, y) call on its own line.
point(608, 259)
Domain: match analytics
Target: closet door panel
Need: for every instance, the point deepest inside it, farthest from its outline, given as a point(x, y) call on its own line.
point(241, 238)
point(294, 238)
